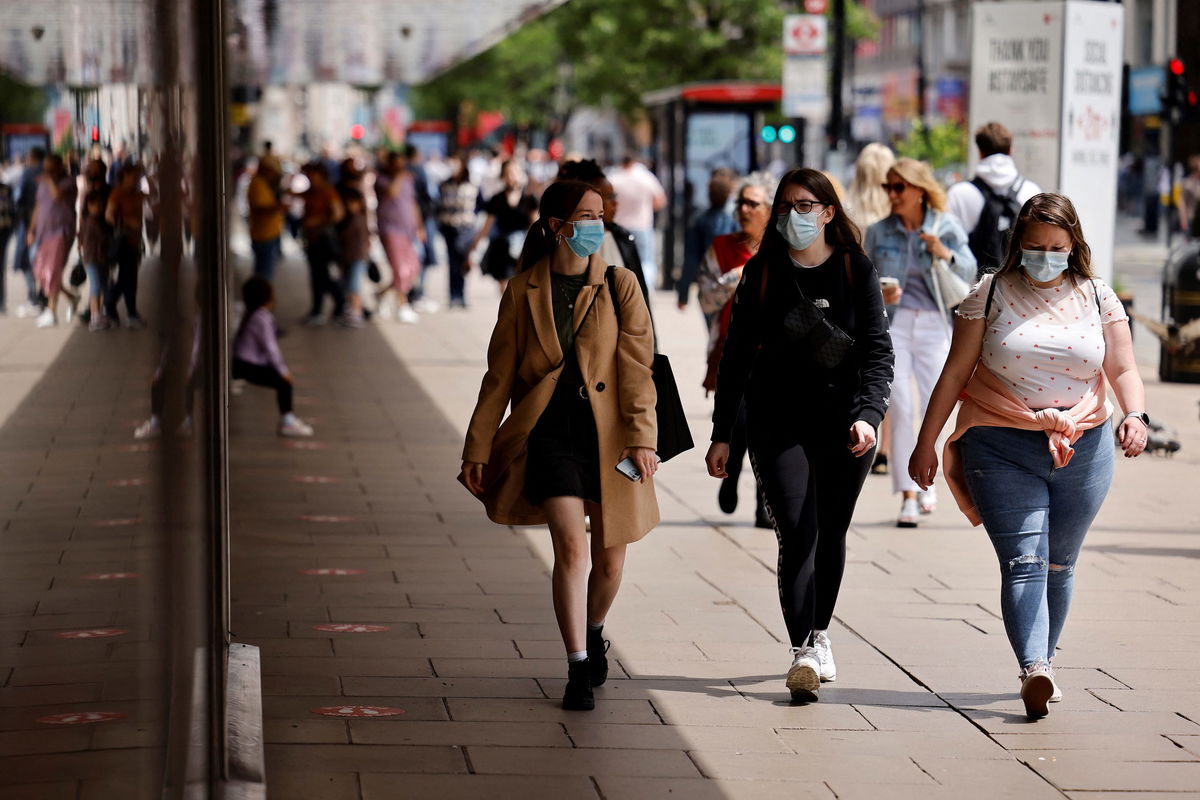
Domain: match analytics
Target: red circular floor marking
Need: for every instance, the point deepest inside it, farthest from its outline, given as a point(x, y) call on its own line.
point(314, 479)
point(332, 571)
point(81, 718)
point(120, 482)
point(295, 444)
point(327, 518)
point(96, 633)
point(110, 576)
point(350, 627)
point(118, 522)
point(358, 711)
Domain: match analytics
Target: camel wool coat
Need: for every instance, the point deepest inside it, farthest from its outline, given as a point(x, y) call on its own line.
point(523, 366)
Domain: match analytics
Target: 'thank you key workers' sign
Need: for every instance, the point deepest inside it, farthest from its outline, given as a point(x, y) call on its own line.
point(1051, 73)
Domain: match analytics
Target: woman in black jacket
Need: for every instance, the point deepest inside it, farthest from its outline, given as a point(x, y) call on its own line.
point(812, 407)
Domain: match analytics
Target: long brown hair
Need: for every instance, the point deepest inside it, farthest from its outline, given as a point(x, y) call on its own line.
point(841, 230)
point(1057, 210)
point(559, 201)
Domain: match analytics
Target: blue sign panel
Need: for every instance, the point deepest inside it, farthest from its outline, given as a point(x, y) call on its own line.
point(1146, 87)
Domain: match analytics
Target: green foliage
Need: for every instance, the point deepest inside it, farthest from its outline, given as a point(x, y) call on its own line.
point(942, 145)
point(20, 102)
point(608, 53)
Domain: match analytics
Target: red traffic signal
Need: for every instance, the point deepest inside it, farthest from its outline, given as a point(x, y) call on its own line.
point(357, 132)
point(95, 133)
point(1175, 66)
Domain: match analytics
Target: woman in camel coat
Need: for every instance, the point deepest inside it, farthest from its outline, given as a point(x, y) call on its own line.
point(582, 400)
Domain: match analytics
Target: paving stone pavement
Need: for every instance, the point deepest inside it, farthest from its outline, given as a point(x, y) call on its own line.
point(925, 705)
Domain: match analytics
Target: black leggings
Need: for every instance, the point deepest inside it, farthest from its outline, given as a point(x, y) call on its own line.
point(261, 375)
point(810, 491)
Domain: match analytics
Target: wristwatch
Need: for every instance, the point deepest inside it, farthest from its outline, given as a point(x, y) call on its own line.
point(1142, 415)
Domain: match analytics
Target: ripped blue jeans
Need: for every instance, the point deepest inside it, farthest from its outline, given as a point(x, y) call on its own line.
point(1036, 517)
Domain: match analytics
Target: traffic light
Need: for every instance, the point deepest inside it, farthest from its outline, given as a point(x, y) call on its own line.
point(357, 132)
point(787, 134)
point(769, 134)
point(1180, 101)
point(95, 133)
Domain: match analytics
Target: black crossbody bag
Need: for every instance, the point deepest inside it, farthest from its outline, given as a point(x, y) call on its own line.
point(674, 435)
point(808, 331)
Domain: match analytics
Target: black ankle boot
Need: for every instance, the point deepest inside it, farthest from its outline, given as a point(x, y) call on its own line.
point(597, 646)
point(578, 694)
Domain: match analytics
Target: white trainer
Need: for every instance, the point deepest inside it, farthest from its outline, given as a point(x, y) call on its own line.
point(150, 429)
point(1056, 697)
point(910, 514)
point(927, 500)
point(427, 305)
point(824, 655)
point(295, 428)
point(407, 315)
point(46, 319)
point(804, 677)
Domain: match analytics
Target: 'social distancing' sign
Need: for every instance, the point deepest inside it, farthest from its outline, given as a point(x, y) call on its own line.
point(358, 711)
point(332, 571)
point(81, 718)
point(294, 444)
point(123, 482)
point(95, 633)
point(350, 627)
point(110, 576)
point(330, 518)
point(118, 522)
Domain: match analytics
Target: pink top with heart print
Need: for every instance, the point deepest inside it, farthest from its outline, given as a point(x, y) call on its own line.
point(1047, 345)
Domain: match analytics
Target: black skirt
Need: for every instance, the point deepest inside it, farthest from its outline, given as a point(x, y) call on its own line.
point(564, 453)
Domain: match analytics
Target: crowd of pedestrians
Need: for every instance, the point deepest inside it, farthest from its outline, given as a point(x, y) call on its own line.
point(827, 312)
point(55, 211)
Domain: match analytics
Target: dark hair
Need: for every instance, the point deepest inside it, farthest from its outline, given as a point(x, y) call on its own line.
point(559, 201)
point(1057, 210)
point(411, 151)
point(256, 293)
point(841, 230)
point(587, 171)
point(315, 168)
point(95, 196)
point(37, 153)
point(992, 139)
point(720, 186)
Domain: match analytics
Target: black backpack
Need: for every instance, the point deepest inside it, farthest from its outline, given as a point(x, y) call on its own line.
point(990, 235)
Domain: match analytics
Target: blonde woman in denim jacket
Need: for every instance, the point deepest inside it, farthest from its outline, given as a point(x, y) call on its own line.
point(903, 247)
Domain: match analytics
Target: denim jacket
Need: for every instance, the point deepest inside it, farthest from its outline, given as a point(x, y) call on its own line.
point(887, 245)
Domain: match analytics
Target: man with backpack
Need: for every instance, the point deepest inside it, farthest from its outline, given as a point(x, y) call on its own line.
point(988, 204)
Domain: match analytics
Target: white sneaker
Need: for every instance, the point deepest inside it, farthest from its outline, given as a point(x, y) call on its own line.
point(28, 309)
point(1037, 687)
point(351, 319)
point(1056, 696)
point(313, 321)
point(98, 324)
point(804, 677)
point(427, 305)
point(149, 429)
point(134, 323)
point(821, 644)
point(295, 428)
point(910, 514)
point(407, 315)
point(46, 319)
point(927, 500)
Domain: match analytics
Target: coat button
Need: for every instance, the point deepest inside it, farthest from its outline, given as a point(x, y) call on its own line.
point(600, 386)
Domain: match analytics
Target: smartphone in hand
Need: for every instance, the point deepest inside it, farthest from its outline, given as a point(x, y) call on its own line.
point(629, 469)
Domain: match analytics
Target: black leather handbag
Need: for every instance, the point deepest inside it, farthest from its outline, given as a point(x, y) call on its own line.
point(809, 332)
point(674, 435)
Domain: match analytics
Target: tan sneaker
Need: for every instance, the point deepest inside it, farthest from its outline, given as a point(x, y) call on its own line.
point(1037, 687)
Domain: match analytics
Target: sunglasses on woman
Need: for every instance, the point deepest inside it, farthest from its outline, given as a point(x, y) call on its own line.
point(894, 188)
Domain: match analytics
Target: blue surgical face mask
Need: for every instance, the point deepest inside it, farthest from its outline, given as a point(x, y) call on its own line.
point(587, 237)
point(800, 230)
point(1044, 266)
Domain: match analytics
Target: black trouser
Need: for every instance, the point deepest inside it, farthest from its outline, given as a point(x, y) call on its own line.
point(810, 491)
point(261, 375)
point(737, 455)
point(321, 253)
point(4, 234)
point(457, 258)
point(129, 256)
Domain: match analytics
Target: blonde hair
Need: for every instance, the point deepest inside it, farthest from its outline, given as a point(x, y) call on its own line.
point(919, 174)
point(867, 202)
